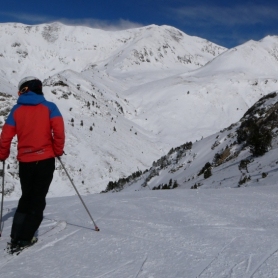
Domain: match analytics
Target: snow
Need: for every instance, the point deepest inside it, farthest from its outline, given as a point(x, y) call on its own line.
point(144, 91)
point(176, 233)
point(149, 89)
point(97, 67)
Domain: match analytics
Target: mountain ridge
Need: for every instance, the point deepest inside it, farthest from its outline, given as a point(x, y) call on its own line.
point(121, 111)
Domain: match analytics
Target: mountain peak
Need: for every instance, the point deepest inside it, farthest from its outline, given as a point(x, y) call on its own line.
point(132, 94)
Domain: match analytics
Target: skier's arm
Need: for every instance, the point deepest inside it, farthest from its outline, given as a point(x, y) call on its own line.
point(58, 129)
point(8, 132)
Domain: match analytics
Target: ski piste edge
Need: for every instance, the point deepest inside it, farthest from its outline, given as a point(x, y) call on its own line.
point(58, 227)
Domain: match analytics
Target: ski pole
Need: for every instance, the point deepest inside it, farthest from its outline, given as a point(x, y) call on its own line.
point(2, 201)
point(96, 227)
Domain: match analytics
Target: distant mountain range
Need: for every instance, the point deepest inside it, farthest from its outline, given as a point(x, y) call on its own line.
point(129, 97)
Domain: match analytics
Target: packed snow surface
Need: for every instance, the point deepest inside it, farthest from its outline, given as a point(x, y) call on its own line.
point(154, 234)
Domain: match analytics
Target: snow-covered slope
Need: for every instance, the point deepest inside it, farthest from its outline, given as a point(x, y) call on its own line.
point(101, 144)
point(46, 49)
point(242, 154)
point(253, 58)
point(76, 63)
point(128, 97)
point(200, 102)
point(122, 112)
point(175, 233)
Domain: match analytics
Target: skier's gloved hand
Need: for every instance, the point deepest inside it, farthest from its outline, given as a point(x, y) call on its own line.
point(59, 155)
point(3, 159)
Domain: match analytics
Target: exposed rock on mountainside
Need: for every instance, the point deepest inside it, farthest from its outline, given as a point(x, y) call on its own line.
point(258, 124)
point(237, 155)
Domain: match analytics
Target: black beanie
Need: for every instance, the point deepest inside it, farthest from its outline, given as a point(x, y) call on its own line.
point(33, 86)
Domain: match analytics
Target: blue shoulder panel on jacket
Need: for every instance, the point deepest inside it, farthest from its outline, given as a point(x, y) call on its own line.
point(30, 98)
point(10, 120)
point(54, 111)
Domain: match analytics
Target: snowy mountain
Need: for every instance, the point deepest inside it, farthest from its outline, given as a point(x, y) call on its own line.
point(252, 58)
point(76, 65)
point(128, 97)
point(200, 102)
point(243, 154)
point(48, 49)
point(135, 101)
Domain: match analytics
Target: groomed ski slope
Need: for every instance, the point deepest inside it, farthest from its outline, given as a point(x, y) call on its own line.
point(155, 234)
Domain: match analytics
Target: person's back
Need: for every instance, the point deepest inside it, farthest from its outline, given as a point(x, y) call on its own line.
point(39, 127)
point(33, 120)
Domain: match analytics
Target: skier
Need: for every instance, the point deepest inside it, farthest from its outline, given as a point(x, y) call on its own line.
point(39, 127)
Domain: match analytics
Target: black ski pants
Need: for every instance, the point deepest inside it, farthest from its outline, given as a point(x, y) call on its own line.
point(35, 178)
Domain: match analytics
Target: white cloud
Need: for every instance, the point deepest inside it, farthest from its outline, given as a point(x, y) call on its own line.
point(120, 24)
point(24, 17)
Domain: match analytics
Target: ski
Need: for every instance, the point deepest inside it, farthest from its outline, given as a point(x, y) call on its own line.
point(15, 249)
point(59, 226)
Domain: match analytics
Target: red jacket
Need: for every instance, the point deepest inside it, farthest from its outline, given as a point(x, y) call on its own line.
point(39, 127)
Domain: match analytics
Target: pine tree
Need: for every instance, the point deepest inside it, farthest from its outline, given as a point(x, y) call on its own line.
point(207, 173)
point(170, 183)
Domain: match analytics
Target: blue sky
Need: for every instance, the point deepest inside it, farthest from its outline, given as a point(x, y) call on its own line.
point(228, 24)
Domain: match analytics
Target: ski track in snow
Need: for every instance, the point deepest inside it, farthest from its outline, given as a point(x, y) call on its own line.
point(263, 260)
point(205, 234)
point(52, 243)
point(58, 227)
point(215, 258)
point(249, 263)
point(141, 266)
point(105, 214)
point(115, 269)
